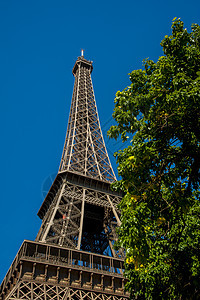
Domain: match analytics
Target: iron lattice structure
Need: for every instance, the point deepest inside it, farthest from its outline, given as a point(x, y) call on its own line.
point(73, 255)
point(84, 150)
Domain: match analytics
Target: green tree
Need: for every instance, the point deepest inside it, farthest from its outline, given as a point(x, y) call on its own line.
point(160, 170)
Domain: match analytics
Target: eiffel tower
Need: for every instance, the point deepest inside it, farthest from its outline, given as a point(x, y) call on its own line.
point(73, 255)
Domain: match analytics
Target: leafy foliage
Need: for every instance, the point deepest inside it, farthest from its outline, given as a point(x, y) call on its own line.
point(160, 170)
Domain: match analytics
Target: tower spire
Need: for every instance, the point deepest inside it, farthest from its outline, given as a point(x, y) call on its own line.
point(84, 149)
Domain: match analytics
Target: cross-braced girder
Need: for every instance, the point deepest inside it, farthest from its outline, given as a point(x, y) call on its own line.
point(27, 290)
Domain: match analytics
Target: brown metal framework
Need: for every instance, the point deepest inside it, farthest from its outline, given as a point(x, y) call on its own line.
point(41, 271)
point(73, 256)
point(84, 150)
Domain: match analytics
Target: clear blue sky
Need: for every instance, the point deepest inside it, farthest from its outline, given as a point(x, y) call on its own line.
point(39, 43)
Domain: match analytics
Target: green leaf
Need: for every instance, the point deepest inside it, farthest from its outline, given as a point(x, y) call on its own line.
point(160, 170)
